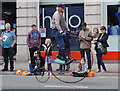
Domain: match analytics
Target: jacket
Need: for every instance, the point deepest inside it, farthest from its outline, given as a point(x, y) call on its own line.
point(88, 39)
point(31, 42)
point(58, 22)
point(103, 40)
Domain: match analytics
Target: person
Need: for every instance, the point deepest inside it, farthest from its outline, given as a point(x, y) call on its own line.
point(59, 27)
point(115, 30)
point(101, 42)
point(81, 70)
point(87, 36)
point(95, 35)
point(8, 38)
point(48, 54)
point(37, 64)
point(33, 41)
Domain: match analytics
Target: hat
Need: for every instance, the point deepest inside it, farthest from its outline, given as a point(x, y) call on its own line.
point(61, 6)
point(118, 11)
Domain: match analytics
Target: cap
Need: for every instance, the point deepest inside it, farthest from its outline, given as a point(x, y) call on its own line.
point(61, 6)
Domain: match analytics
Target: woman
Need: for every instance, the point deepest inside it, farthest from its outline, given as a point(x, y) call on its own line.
point(37, 63)
point(101, 42)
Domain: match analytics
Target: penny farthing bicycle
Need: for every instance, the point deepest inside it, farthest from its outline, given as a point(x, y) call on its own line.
point(44, 78)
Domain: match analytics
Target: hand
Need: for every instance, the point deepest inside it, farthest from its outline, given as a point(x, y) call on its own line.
point(83, 37)
point(43, 45)
point(63, 33)
point(3, 38)
point(12, 46)
point(68, 33)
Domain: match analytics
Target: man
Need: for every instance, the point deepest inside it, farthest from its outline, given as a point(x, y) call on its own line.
point(115, 30)
point(87, 36)
point(8, 38)
point(33, 41)
point(59, 27)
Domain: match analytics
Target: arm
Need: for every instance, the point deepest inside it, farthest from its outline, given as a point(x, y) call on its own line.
point(104, 38)
point(14, 37)
point(89, 37)
point(28, 40)
point(57, 23)
point(39, 40)
point(45, 48)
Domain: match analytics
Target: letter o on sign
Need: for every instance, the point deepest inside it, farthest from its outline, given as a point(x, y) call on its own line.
point(79, 21)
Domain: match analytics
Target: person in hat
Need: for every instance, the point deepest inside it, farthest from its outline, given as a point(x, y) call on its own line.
point(115, 30)
point(59, 28)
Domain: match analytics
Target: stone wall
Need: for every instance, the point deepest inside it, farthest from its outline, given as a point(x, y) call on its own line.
point(26, 16)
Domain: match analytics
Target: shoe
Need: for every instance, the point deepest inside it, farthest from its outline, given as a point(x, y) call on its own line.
point(60, 57)
point(69, 61)
point(27, 74)
point(67, 69)
point(104, 71)
point(11, 70)
point(98, 70)
point(4, 70)
point(37, 73)
point(58, 69)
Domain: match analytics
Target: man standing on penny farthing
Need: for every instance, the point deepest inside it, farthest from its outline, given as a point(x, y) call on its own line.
point(59, 27)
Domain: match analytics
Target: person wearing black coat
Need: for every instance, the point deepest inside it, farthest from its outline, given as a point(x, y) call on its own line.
point(101, 42)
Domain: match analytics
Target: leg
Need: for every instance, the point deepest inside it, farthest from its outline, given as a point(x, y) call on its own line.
point(82, 53)
point(88, 58)
point(5, 55)
point(11, 52)
point(101, 62)
point(31, 66)
point(98, 58)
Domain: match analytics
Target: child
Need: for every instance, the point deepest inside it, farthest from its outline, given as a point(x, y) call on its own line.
point(48, 50)
point(37, 63)
point(82, 69)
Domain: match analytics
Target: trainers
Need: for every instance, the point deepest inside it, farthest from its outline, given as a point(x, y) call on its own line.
point(58, 69)
point(27, 74)
point(60, 57)
point(4, 70)
point(67, 68)
point(104, 71)
point(98, 70)
point(69, 61)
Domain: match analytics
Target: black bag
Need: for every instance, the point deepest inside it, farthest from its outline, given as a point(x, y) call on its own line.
point(104, 50)
point(75, 74)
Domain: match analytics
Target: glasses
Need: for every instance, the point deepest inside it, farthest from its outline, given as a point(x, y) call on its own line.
point(101, 29)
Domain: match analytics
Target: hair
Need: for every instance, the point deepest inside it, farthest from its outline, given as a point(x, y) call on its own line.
point(7, 24)
point(84, 24)
point(80, 65)
point(103, 27)
point(33, 25)
point(38, 52)
point(97, 30)
point(48, 41)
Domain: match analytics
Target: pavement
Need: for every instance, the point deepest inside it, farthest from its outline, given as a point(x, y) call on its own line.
point(112, 67)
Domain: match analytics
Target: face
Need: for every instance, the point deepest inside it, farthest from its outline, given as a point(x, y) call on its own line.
point(36, 54)
point(103, 31)
point(83, 27)
point(8, 27)
point(34, 28)
point(95, 30)
point(82, 61)
point(62, 10)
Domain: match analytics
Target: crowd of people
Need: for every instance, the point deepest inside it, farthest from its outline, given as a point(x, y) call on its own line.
point(59, 32)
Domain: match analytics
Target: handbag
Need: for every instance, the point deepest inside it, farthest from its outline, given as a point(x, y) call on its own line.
point(104, 50)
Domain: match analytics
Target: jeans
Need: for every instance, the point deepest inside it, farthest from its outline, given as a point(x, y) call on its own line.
point(59, 40)
point(8, 52)
point(32, 69)
point(82, 51)
point(58, 36)
point(32, 50)
point(99, 60)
